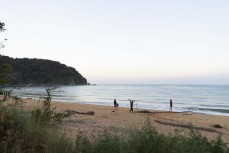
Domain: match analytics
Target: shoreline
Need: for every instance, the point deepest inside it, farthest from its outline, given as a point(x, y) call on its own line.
point(127, 106)
point(118, 120)
point(155, 97)
point(175, 109)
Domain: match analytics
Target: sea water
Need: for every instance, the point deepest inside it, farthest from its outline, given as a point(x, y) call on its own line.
point(209, 99)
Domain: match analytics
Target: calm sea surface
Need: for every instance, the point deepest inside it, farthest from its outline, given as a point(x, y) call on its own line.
point(209, 99)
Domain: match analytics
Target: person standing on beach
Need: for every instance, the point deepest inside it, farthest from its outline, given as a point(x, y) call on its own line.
point(171, 104)
point(115, 103)
point(131, 105)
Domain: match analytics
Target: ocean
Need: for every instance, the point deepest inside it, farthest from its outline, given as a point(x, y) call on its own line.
point(207, 99)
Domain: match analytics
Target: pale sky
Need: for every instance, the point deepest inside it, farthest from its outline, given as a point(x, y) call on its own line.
point(124, 41)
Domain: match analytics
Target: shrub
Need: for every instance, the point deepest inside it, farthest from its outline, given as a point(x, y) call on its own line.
point(18, 133)
point(46, 115)
point(4, 94)
point(148, 140)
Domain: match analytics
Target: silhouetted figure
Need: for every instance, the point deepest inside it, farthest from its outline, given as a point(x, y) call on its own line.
point(115, 103)
point(131, 105)
point(171, 105)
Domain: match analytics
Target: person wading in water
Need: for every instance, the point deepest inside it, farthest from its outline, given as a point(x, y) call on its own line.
point(171, 104)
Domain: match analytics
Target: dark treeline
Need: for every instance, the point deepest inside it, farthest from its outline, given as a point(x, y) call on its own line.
point(41, 72)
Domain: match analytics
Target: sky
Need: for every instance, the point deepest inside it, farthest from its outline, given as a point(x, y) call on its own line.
point(124, 41)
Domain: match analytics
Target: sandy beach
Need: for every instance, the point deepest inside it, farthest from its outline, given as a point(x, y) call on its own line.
point(120, 119)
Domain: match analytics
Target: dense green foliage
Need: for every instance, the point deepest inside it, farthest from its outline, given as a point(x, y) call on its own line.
point(42, 72)
point(22, 131)
point(5, 73)
point(19, 133)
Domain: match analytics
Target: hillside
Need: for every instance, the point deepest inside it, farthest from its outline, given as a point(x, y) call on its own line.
point(42, 72)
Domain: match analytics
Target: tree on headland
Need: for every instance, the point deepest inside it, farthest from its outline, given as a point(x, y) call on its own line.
point(5, 69)
point(2, 28)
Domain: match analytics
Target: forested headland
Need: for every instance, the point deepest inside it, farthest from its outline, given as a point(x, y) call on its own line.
point(41, 72)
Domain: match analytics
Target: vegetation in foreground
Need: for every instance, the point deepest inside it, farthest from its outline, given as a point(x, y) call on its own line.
point(35, 132)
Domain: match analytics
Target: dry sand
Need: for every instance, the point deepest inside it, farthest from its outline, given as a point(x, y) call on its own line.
point(120, 119)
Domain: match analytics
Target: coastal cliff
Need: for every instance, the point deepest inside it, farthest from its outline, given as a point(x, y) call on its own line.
point(42, 72)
